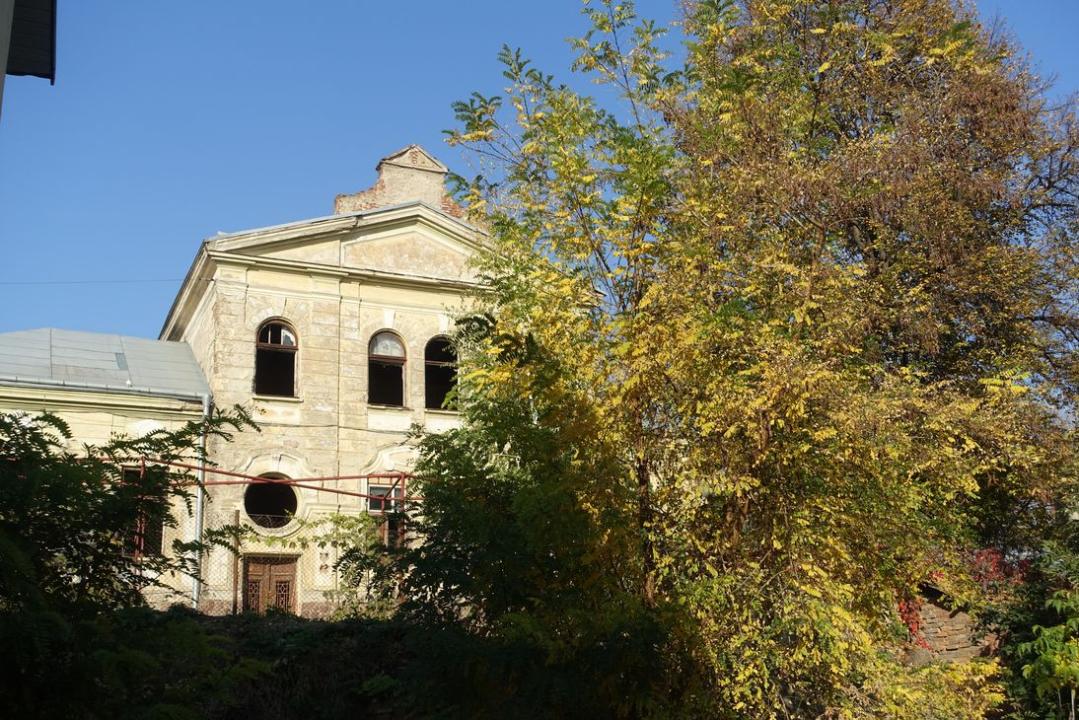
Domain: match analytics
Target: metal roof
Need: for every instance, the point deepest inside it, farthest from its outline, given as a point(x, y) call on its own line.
point(99, 361)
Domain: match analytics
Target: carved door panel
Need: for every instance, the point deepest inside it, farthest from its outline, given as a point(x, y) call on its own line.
point(269, 582)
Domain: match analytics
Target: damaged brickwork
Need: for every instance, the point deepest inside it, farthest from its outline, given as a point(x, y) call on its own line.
point(408, 175)
point(947, 633)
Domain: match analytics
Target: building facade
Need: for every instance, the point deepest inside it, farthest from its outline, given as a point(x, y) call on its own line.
point(333, 334)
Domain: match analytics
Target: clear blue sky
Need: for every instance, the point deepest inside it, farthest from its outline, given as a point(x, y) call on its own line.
point(171, 121)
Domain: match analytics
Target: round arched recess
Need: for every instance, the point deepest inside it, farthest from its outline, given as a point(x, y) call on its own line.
point(270, 504)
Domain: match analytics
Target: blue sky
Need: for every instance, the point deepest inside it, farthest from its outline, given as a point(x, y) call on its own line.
point(171, 121)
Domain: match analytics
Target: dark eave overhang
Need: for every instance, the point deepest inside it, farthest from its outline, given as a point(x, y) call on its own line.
point(32, 49)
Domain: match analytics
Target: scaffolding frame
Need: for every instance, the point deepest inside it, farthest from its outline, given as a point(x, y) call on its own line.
point(306, 483)
point(399, 481)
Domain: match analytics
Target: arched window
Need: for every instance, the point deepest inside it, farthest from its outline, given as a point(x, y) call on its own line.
point(275, 360)
point(439, 372)
point(270, 504)
point(386, 370)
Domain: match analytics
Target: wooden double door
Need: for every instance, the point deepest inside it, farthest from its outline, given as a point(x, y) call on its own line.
point(269, 582)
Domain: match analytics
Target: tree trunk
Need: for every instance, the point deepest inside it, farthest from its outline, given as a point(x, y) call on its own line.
point(644, 521)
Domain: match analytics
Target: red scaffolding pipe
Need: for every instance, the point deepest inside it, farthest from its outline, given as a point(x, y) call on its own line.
point(301, 482)
point(328, 478)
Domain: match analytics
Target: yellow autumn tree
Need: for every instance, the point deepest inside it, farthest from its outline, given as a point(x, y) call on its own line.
point(761, 339)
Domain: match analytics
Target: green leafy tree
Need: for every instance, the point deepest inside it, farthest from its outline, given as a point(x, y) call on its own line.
point(68, 520)
point(1054, 654)
point(784, 335)
point(78, 641)
point(1035, 619)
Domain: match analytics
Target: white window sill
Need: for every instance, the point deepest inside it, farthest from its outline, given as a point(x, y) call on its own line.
point(277, 398)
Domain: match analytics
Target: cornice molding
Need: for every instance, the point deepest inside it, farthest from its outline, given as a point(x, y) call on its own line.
point(344, 274)
point(58, 398)
point(333, 225)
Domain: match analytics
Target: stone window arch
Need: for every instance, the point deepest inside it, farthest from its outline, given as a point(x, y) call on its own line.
point(439, 372)
point(276, 348)
point(386, 359)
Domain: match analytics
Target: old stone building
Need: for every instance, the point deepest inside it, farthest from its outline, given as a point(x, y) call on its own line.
point(332, 332)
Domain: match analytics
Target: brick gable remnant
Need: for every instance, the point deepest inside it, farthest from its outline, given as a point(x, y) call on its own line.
point(410, 174)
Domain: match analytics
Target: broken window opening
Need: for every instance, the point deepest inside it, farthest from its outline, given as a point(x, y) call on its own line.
point(386, 370)
point(385, 501)
point(381, 500)
point(275, 360)
point(439, 374)
point(152, 536)
point(270, 504)
point(147, 537)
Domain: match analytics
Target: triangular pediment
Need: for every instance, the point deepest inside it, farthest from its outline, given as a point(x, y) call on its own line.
point(416, 240)
point(414, 156)
point(408, 250)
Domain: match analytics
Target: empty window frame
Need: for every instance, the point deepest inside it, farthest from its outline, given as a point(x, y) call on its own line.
point(384, 501)
point(270, 504)
point(386, 370)
point(439, 372)
point(383, 498)
point(275, 360)
point(147, 537)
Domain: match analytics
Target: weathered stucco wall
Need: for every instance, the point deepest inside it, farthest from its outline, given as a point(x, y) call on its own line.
point(396, 257)
point(421, 272)
point(329, 428)
point(410, 251)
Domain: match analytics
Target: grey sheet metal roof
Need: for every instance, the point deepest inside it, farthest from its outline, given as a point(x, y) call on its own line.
point(100, 361)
